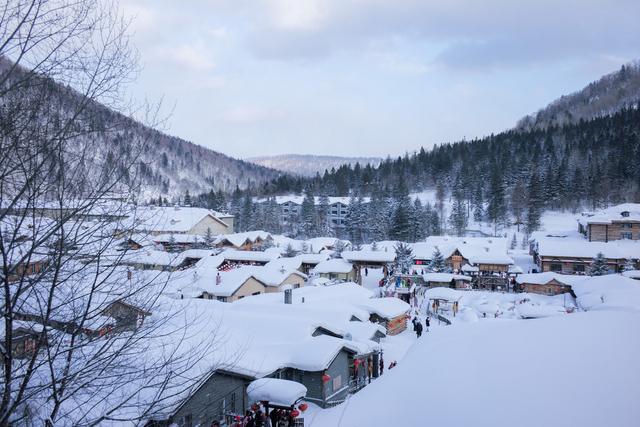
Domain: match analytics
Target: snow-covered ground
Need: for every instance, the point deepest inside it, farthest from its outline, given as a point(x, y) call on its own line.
point(578, 370)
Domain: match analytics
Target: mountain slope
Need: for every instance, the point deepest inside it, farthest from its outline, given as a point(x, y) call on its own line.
point(308, 164)
point(608, 95)
point(167, 165)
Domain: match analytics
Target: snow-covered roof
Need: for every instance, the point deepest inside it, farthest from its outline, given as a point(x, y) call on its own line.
point(274, 276)
point(478, 250)
point(579, 248)
point(299, 199)
point(169, 219)
point(632, 274)
point(444, 277)
point(612, 214)
point(178, 238)
point(335, 265)
point(369, 256)
point(312, 258)
point(388, 307)
point(546, 277)
point(610, 291)
point(249, 256)
point(152, 257)
point(276, 391)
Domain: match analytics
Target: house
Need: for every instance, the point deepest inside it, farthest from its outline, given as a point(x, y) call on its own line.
point(128, 317)
point(225, 286)
point(23, 260)
point(368, 259)
point(389, 312)
point(488, 254)
point(621, 222)
point(246, 241)
point(179, 220)
point(150, 259)
point(278, 279)
point(447, 280)
point(574, 256)
point(25, 337)
point(548, 283)
point(309, 261)
point(277, 341)
point(336, 269)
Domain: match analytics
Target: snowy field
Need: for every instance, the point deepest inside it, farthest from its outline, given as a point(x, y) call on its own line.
point(580, 370)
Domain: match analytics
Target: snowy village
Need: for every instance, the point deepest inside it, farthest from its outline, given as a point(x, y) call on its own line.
point(319, 213)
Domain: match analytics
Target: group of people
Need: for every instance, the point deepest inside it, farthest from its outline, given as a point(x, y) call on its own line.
point(417, 326)
point(258, 418)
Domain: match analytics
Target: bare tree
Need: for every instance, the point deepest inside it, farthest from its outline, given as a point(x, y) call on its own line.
point(84, 339)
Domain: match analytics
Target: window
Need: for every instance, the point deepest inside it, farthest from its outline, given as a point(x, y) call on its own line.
point(626, 236)
point(256, 293)
point(627, 225)
point(556, 266)
point(337, 382)
point(222, 299)
point(578, 267)
point(624, 213)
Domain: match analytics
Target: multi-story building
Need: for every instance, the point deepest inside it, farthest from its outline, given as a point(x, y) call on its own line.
point(621, 222)
point(291, 206)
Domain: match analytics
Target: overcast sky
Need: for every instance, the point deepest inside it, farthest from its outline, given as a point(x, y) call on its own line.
point(368, 77)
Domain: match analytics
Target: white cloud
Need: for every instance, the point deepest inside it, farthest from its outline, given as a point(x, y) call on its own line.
point(195, 57)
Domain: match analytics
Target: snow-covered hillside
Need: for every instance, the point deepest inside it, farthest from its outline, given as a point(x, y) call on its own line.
point(308, 165)
point(611, 93)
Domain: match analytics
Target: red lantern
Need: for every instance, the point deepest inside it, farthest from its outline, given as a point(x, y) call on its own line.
point(295, 413)
point(356, 363)
point(326, 378)
point(303, 407)
point(254, 407)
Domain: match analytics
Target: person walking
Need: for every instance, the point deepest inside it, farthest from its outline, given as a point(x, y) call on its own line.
point(427, 323)
point(381, 365)
point(418, 329)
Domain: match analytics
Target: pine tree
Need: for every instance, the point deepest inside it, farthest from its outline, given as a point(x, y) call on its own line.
point(534, 204)
point(289, 252)
point(323, 226)
point(598, 265)
point(187, 198)
point(404, 257)
point(497, 208)
point(247, 216)
point(437, 263)
point(514, 242)
point(208, 238)
point(458, 218)
point(401, 218)
point(308, 216)
point(478, 204)
point(338, 249)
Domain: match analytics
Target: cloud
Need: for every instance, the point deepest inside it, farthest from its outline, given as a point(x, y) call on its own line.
point(477, 35)
point(194, 57)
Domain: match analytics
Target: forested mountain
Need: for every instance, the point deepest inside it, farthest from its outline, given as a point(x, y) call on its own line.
point(613, 92)
point(309, 165)
point(167, 166)
point(511, 176)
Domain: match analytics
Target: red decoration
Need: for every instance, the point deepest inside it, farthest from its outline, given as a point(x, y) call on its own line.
point(295, 413)
point(303, 407)
point(326, 378)
point(254, 407)
point(356, 363)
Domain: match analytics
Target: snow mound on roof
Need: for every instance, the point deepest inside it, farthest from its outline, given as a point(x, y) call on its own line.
point(276, 391)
